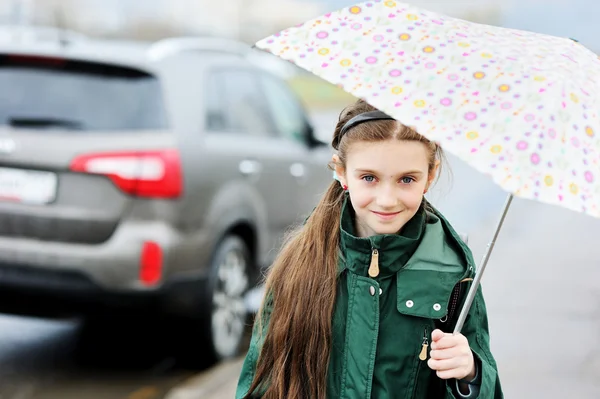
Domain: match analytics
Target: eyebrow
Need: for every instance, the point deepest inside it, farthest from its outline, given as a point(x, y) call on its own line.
point(410, 172)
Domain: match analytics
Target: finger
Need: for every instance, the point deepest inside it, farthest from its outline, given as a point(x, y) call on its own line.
point(444, 343)
point(450, 341)
point(441, 354)
point(436, 335)
point(460, 349)
point(449, 374)
point(444, 365)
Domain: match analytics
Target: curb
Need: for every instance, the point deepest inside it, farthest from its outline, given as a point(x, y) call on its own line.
point(219, 383)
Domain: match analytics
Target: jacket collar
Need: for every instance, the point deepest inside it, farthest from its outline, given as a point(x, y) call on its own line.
point(427, 239)
point(394, 250)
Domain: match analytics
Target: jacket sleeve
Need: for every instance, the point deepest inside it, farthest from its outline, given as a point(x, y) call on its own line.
point(477, 332)
point(250, 362)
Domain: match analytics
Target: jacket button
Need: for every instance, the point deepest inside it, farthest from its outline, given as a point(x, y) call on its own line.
point(410, 304)
point(380, 291)
point(372, 290)
point(437, 307)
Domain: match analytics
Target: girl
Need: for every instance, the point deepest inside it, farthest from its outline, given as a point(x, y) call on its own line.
point(359, 297)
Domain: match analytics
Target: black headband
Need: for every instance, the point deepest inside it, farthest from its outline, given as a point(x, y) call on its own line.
point(364, 117)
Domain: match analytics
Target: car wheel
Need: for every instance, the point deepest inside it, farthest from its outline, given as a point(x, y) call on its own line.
point(231, 282)
point(219, 330)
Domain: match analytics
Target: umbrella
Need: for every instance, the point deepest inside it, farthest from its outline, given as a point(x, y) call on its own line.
point(518, 106)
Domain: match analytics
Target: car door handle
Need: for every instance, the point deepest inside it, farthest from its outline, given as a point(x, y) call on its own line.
point(249, 167)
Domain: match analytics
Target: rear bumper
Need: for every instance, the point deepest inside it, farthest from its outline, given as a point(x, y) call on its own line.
point(115, 264)
point(39, 277)
point(32, 291)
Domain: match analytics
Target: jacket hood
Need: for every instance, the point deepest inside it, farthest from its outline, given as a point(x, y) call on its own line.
point(427, 238)
point(394, 249)
point(426, 254)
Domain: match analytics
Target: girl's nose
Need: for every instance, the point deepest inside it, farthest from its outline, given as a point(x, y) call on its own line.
point(386, 198)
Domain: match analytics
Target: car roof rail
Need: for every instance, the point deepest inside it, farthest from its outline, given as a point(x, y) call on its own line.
point(262, 60)
point(39, 34)
point(167, 47)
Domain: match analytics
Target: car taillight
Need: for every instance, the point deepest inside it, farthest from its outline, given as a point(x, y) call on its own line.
point(151, 261)
point(154, 174)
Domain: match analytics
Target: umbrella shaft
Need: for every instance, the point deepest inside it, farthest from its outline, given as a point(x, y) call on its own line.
point(476, 282)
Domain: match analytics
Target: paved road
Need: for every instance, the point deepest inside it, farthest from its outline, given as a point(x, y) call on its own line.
point(58, 360)
point(219, 382)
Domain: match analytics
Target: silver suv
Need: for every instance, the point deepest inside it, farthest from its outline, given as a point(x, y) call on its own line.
point(152, 178)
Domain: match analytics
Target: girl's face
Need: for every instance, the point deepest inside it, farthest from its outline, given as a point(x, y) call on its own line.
point(386, 182)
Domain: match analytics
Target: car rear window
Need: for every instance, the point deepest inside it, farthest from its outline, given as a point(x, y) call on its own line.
point(41, 92)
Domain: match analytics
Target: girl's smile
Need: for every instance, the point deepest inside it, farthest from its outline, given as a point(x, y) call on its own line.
point(386, 215)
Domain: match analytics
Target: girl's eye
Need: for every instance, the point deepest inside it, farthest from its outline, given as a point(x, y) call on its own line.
point(407, 180)
point(368, 178)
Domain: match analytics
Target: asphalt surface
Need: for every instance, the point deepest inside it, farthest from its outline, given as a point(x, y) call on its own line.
point(43, 359)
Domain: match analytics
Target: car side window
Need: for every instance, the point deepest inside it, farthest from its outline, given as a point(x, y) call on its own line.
point(236, 104)
point(287, 113)
point(215, 112)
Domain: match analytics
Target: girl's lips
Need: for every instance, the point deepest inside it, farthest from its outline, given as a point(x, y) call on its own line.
point(386, 215)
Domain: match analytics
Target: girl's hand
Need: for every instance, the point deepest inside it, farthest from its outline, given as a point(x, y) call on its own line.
point(451, 356)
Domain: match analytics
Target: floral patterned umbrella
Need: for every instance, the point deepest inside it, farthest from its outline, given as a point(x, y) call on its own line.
point(520, 107)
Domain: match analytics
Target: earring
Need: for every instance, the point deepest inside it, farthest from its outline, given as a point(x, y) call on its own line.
point(345, 187)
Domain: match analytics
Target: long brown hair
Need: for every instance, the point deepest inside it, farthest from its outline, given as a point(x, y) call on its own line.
point(301, 283)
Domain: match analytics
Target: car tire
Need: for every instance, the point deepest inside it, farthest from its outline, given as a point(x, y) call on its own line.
point(222, 324)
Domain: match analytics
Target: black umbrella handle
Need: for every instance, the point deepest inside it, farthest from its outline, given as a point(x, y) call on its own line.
point(479, 273)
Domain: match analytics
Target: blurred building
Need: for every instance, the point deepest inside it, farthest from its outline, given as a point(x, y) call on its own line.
point(245, 19)
point(248, 20)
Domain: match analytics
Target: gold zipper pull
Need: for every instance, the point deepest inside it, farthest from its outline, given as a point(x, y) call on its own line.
point(374, 267)
point(423, 354)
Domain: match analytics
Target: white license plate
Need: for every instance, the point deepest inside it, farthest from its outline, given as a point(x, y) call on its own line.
point(27, 186)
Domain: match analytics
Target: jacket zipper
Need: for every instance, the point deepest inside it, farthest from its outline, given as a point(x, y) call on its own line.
point(424, 346)
point(374, 266)
point(422, 358)
point(454, 301)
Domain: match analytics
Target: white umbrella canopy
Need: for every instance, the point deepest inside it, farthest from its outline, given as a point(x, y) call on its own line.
point(518, 106)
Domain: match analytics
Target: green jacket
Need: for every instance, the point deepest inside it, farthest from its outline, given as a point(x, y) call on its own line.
point(382, 326)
